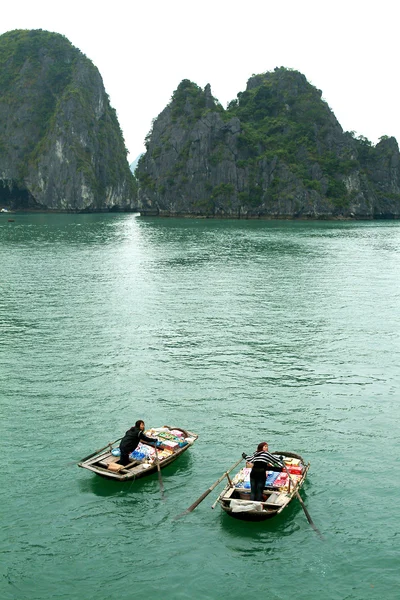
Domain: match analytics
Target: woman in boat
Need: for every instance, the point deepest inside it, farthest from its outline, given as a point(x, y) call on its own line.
point(131, 440)
point(261, 462)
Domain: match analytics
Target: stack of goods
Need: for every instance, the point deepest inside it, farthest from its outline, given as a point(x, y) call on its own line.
point(178, 433)
point(242, 479)
point(170, 438)
point(143, 452)
point(169, 444)
point(148, 453)
point(295, 468)
point(282, 482)
point(274, 479)
point(172, 441)
point(163, 453)
point(272, 476)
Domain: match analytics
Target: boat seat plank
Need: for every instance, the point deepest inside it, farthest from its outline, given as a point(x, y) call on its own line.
point(102, 458)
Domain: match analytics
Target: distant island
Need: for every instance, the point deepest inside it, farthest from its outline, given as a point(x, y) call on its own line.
point(134, 163)
point(276, 151)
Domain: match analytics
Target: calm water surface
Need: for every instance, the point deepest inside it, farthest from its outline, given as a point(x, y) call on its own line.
point(240, 331)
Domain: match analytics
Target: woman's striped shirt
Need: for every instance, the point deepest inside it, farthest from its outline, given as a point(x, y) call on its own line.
point(265, 458)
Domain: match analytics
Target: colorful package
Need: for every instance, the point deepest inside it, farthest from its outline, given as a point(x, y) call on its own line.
point(142, 451)
point(271, 477)
point(281, 480)
point(177, 433)
point(169, 443)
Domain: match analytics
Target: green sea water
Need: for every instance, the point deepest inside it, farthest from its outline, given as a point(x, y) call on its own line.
point(241, 331)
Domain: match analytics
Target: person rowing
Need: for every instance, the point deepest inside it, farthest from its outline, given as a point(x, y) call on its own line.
point(131, 440)
point(261, 462)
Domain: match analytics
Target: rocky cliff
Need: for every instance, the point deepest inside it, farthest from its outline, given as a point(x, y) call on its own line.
point(61, 147)
point(276, 151)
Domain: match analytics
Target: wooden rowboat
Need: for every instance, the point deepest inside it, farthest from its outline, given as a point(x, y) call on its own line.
point(174, 442)
point(235, 497)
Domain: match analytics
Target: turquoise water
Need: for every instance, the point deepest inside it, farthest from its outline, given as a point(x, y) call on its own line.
point(240, 331)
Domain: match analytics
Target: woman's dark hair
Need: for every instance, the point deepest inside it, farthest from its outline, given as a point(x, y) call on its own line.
point(138, 423)
point(261, 446)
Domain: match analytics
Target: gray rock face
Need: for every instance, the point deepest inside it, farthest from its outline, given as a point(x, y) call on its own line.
point(183, 165)
point(385, 175)
point(61, 147)
point(277, 151)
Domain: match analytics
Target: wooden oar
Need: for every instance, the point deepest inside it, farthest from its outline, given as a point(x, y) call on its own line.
point(99, 450)
point(296, 491)
point(159, 474)
point(210, 489)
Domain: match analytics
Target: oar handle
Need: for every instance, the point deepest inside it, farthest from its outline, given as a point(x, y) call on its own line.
point(99, 450)
point(210, 489)
point(214, 485)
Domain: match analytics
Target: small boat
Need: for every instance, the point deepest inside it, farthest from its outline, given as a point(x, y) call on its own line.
point(280, 488)
point(173, 441)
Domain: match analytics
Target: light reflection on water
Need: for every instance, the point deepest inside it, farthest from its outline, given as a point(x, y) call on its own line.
point(240, 331)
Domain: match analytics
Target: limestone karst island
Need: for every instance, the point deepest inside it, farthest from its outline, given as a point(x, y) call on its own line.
point(276, 151)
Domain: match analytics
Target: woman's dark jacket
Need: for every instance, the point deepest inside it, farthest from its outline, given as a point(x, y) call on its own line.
point(132, 438)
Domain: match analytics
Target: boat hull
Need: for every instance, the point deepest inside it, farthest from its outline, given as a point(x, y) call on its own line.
point(250, 516)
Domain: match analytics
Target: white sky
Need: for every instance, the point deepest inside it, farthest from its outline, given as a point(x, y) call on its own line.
point(143, 49)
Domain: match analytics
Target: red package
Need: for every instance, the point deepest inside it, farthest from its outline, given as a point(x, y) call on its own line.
point(295, 469)
point(282, 480)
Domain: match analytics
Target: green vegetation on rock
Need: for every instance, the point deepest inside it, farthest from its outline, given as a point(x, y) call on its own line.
point(61, 139)
point(277, 150)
